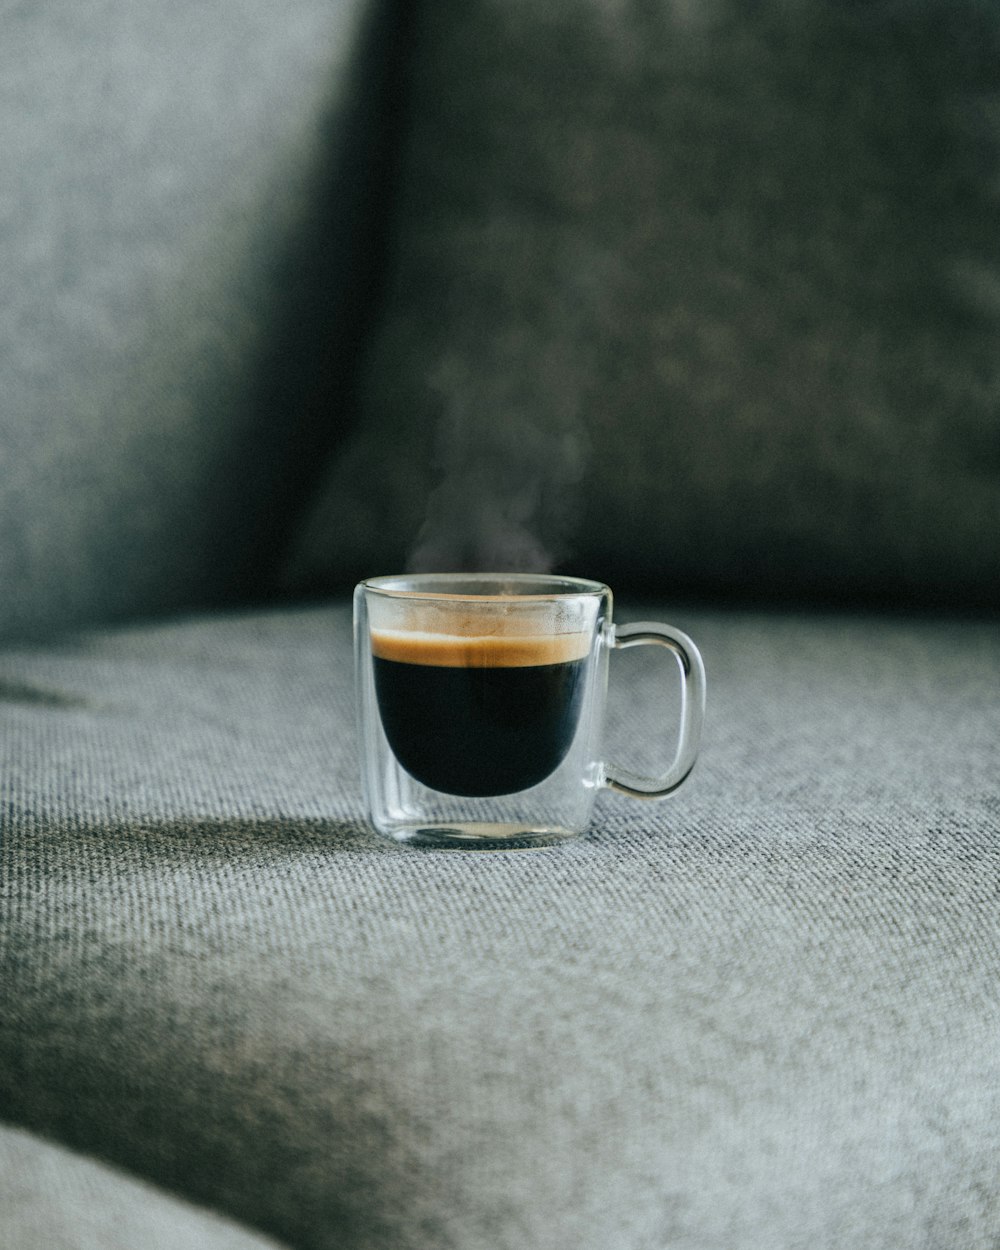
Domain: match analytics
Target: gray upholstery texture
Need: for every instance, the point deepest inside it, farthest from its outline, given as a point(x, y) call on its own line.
point(53, 1199)
point(764, 1014)
point(182, 210)
point(698, 295)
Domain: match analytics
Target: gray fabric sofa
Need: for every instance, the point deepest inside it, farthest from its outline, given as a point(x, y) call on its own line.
point(700, 300)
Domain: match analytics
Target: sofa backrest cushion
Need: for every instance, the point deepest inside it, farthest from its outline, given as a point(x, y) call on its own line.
point(53, 1198)
point(702, 298)
point(182, 188)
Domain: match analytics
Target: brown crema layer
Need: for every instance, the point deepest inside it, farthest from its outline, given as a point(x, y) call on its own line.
point(479, 651)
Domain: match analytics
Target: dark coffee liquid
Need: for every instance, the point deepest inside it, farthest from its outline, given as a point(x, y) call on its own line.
point(476, 728)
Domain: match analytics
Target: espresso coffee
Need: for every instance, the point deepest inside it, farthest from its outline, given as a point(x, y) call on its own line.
point(478, 716)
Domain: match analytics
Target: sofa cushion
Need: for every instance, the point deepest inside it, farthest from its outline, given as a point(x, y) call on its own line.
point(762, 1014)
point(53, 1199)
point(698, 297)
point(186, 184)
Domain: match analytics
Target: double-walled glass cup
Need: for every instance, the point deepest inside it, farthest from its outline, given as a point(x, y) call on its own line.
point(481, 702)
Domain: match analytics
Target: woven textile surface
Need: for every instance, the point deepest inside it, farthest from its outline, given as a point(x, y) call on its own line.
point(181, 219)
point(52, 1199)
point(763, 1014)
point(697, 292)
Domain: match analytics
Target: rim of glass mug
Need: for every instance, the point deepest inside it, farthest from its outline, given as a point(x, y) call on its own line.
point(401, 585)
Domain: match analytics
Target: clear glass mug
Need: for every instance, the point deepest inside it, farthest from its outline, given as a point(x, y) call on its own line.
point(481, 703)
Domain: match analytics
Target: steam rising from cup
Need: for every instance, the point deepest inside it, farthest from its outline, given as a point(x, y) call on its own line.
point(510, 456)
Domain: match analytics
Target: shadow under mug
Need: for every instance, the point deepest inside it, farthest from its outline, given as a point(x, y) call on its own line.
point(481, 701)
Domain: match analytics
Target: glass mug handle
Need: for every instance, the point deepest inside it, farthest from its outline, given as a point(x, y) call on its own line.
point(652, 633)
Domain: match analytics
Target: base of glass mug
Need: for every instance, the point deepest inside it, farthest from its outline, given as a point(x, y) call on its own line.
point(475, 835)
